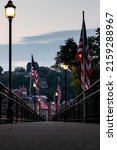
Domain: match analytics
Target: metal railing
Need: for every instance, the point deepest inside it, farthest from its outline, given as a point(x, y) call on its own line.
point(85, 109)
point(19, 111)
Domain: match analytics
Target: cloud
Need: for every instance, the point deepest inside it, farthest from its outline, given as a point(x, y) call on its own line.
point(21, 63)
point(54, 37)
point(43, 47)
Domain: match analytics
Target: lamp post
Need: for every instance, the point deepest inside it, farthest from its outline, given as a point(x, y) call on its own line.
point(10, 14)
point(34, 86)
point(56, 101)
point(65, 68)
point(39, 100)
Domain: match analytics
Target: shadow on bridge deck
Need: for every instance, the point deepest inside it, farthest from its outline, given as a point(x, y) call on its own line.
point(50, 136)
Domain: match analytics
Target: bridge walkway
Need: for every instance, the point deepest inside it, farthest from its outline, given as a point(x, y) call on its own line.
point(50, 136)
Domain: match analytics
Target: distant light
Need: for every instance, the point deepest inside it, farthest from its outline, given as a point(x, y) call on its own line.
point(52, 103)
point(65, 67)
point(56, 94)
point(34, 85)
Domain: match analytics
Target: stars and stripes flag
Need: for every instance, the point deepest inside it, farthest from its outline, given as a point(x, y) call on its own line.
point(59, 93)
point(83, 55)
point(35, 74)
point(43, 105)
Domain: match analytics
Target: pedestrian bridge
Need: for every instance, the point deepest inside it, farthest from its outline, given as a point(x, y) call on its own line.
point(74, 127)
point(50, 136)
point(84, 108)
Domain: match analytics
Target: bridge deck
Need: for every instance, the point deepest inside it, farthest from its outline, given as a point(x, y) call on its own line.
point(50, 136)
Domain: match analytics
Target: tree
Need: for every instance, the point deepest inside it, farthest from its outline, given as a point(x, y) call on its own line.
point(1, 74)
point(67, 55)
point(1, 70)
point(20, 69)
point(29, 66)
point(94, 47)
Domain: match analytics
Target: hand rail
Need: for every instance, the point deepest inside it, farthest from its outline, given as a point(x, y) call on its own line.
point(90, 104)
point(19, 110)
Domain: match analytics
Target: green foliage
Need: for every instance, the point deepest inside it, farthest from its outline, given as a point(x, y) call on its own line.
point(29, 66)
point(95, 74)
point(20, 79)
point(94, 47)
point(19, 69)
point(1, 70)
point(67, 55)
point(76, 79)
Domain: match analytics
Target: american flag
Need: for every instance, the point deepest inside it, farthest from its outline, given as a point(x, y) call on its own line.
point(42, 103)
point(35, 74)
point(83, 55)
point(59, 93)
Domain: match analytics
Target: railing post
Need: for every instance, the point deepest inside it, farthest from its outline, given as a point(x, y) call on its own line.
point(9, 110)
point(84, 107)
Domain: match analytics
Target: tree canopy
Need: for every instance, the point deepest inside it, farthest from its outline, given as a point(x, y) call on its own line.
point(67, 55)
point(19, 69)
point(94, 47)
point(20, 77)
point(1, 70)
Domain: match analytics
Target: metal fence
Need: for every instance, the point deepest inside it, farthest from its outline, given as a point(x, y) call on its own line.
point(13, 109)
point(82, 108)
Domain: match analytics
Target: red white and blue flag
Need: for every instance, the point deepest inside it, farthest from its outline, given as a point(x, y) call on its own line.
point(43, 105)
point(59, 94)
point(35, 74)
point(83, 55)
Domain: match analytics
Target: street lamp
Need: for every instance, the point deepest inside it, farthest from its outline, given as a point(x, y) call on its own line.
point(34, 85)
point(56, 94)
point(65, 68)
point(10, 14)
point(56, 98)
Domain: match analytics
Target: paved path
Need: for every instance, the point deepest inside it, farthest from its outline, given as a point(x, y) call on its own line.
point(50, 136)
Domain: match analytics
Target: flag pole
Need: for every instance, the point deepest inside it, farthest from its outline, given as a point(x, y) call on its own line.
point(84, 102)
point(30, 77)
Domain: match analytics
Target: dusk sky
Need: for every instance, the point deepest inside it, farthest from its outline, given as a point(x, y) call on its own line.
point(40, 26)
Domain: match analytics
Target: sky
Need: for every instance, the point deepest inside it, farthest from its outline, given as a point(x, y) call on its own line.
point(41, 26)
